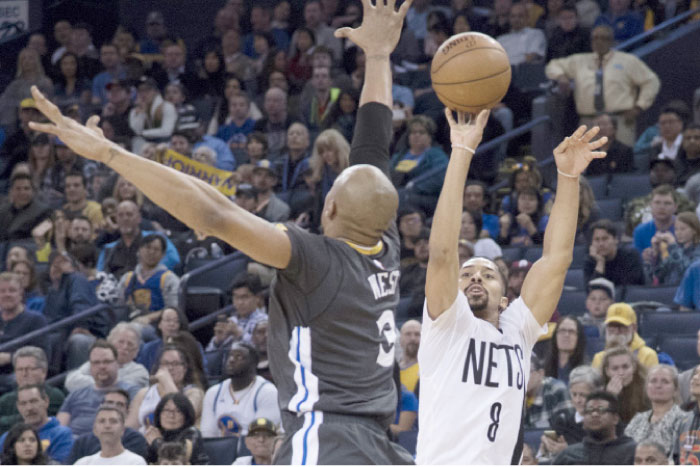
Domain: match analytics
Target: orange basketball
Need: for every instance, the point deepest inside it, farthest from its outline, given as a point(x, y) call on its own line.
point(470, 72)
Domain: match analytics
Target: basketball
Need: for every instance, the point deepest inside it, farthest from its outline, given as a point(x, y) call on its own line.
point(470, 72)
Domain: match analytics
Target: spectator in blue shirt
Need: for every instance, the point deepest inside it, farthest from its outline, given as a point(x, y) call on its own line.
point(33, 405)
point(260, 18)
point(626, 22)
point(688, 293)
point(475, 200)
point(663, 214)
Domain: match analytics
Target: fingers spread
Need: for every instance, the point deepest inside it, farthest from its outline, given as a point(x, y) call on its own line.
point(483, 118)
point(46, 106)
point(598, 143)
point(44, 127)
point(450, 117)
point(590, 134)
point(342, 33)
point(579, 132)
point(460, 118)
point(404, 8)
point(599, 154)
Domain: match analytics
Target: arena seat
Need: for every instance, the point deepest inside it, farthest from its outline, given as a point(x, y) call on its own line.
point(642, 293)
point(679, 323)
point(407, 440)
point(221, 451)
point(512, 253)
point(580, 255)
point(532, 253)
point(610, 208)
point(242, 450)
point(628, 186)
point(574, 279)
point(682, 349)
point(572, 303)
point(599, 185)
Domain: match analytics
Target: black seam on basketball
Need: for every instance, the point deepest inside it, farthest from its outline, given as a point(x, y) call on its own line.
point(473, 80)
point(486, 104)
point(464, 52)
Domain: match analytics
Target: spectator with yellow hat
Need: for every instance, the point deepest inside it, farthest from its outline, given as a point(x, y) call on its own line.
point(621, 330)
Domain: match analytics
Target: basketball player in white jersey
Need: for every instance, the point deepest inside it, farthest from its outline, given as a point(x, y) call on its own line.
point(474, 356)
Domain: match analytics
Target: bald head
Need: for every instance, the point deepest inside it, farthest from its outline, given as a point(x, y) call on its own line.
point(360, 206)
point(409, 339)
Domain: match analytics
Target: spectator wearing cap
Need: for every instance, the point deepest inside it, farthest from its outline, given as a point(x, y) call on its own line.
point(620, 265)
point(619, 156)
point(117, 107)
point(621, 330)
point(113, 70)
point(412, 281)
point(601, 294)
point(670, 139)
point(152, 119)
point(516, 277)
point(30, 72)
point(15, 322)
point(688, 160)
point(260, 441)
point(545, 395)
point(270, 207)
point(21, 211)
point(661, 227)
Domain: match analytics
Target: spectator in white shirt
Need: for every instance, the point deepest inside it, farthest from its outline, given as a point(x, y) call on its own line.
point(109, 428)
point(523, 44)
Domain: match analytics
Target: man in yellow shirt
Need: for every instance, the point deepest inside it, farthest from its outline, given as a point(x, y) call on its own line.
point(607, 80)
point(621, 329)
point(77, 202)
point(409, 341)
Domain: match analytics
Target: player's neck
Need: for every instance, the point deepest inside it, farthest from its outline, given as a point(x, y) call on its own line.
point(489, 316)
point(242, 382)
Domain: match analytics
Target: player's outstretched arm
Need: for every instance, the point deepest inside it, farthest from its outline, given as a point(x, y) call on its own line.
point(441, 282)
point(544, 283)
point(192, 201)
point(377, 36)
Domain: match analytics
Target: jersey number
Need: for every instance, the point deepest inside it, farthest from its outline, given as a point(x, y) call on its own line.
point(495, 419)
point(387, 331)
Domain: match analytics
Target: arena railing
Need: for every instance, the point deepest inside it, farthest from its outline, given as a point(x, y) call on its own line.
point(669, 23)
point(39, 333)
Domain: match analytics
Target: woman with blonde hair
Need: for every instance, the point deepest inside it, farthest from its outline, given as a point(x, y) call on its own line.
point(30, 72)
point(125, 190)
point(329, 157)
point(663, 420)
point(674, 253)
point(624, 377)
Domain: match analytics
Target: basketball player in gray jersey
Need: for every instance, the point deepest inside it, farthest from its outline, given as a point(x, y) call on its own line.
point(474, 356)
point(332, 334)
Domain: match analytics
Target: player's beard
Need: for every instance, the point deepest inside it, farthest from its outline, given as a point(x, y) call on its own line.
point(479, 304)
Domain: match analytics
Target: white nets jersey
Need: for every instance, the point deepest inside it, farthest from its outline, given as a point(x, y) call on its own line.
point(473, 379)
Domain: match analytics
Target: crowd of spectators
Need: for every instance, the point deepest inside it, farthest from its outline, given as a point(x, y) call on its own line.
point(269, 96)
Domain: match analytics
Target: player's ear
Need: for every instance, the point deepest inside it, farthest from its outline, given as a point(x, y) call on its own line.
point(330, 209)
point(502, 304)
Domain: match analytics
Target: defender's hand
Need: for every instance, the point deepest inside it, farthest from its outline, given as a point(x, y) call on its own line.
point(380, 29)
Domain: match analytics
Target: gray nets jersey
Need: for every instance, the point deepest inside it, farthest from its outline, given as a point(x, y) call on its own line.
point(332, 335)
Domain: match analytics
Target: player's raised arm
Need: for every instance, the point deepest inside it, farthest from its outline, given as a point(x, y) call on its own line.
point(377, 36)
point(192, 201)
point(441, 282)
point(545, 281)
